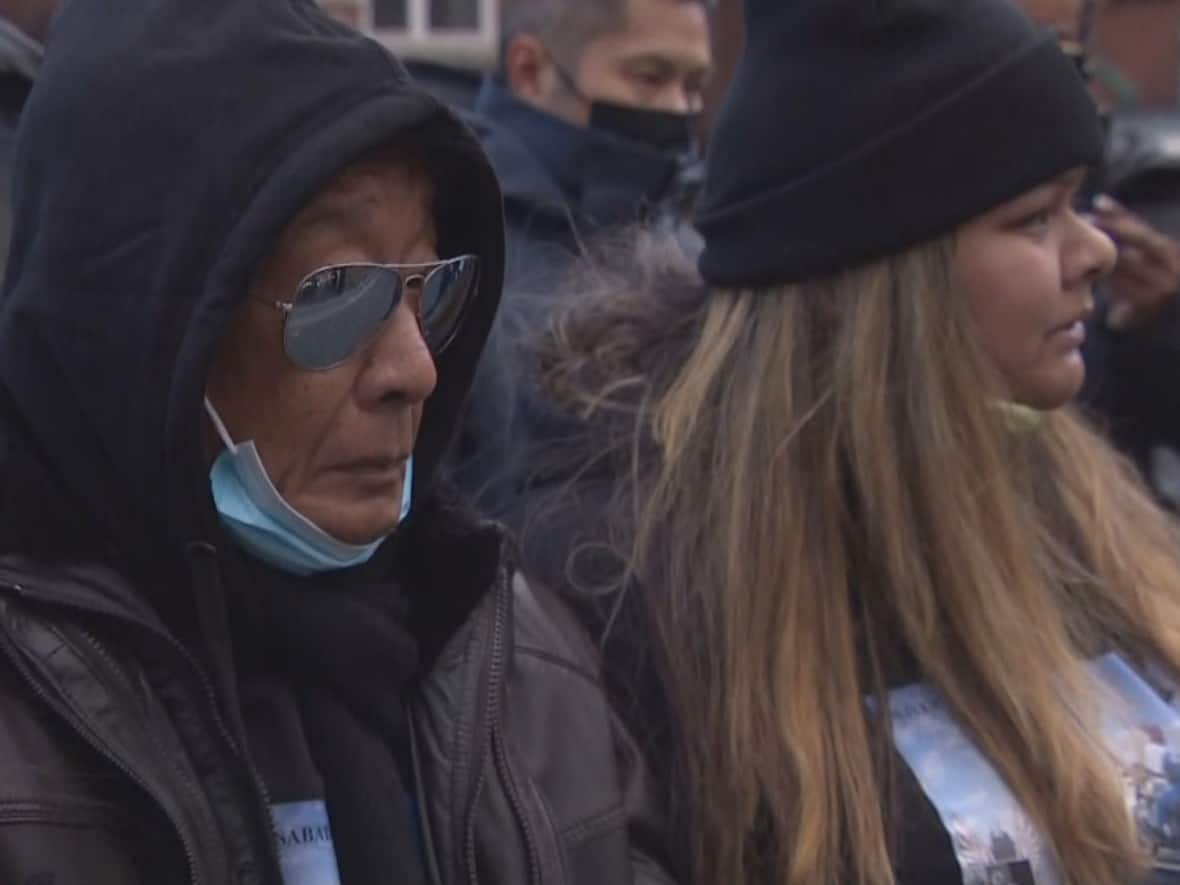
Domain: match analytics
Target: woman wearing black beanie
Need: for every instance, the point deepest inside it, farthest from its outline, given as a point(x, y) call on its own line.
point(913, 621)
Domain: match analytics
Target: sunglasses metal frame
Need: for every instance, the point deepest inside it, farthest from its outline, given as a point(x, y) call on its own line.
point(426, 270)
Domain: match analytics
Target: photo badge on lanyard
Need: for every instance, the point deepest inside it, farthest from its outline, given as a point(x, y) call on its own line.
point(994, 839)
point(306, 853)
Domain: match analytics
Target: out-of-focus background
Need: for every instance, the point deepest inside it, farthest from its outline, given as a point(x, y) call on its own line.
point(1137, 41)
point(1129, 51)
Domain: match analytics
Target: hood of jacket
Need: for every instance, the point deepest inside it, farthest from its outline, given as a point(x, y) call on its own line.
point(160, 156)
point(575, 174)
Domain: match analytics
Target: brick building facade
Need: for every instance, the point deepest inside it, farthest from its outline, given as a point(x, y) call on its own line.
point(1140, 38)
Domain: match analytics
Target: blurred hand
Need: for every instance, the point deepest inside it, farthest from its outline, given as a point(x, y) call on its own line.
point(1147, 275)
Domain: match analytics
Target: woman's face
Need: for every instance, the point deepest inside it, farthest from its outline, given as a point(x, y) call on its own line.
point(1028, 268)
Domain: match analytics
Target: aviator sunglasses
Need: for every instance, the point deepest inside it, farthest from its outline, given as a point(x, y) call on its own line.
point(338, 309)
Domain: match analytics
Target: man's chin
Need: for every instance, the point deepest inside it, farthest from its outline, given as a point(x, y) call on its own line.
point(361, 529)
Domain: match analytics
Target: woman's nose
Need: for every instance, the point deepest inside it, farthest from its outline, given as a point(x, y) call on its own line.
point(1094, 254)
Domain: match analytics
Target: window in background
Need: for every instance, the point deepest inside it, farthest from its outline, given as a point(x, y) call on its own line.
point(390, 14)
point(454, 15)
point(458, 33)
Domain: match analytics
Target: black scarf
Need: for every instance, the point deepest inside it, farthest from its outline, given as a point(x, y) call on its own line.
point(343, 644)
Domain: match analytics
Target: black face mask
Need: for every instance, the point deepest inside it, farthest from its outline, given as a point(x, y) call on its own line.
point(663, 130)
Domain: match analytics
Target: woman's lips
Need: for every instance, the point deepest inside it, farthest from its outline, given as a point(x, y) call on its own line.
point(1073, 333)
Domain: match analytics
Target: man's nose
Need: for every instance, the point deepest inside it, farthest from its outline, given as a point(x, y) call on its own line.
point(682, 99)
point(399, 363)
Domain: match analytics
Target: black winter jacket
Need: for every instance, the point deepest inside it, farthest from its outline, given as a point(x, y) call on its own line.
point(117, 767)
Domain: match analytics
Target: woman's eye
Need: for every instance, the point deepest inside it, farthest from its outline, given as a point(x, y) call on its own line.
point(1036, 220)
point(1082, 202)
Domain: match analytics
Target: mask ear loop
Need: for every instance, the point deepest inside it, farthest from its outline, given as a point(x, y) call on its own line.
point(407, 491)
point(219, 425)
point(568, 81)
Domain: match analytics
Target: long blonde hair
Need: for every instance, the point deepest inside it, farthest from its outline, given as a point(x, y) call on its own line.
point(833, 487)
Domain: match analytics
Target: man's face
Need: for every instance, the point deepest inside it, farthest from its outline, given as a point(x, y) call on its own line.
point(658, 59)
point(335, 443)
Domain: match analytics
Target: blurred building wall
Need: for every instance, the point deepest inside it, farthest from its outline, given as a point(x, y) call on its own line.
point(726, 17)
point(1141, 38)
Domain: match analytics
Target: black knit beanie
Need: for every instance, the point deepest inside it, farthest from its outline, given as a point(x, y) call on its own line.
point(854, 129)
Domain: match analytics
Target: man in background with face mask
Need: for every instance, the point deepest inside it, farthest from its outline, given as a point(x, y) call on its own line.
point(590, 123)
point(594, 110)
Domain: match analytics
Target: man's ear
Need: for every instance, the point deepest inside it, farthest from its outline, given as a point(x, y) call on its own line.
point(527, 68)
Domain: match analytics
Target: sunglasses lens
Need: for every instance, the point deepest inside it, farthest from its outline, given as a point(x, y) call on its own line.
point(335, 312)
point(445, 296)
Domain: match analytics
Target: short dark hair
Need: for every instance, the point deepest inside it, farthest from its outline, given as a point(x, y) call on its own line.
point(566, 26)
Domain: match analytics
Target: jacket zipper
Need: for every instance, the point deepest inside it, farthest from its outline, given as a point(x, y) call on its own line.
point(262, 798)
point(496, 742)
point(261, 793)
point(102, 652)
point(501, 751)
point(428, 849)
point(100, 746)
point(468, 840)
point(472, 872)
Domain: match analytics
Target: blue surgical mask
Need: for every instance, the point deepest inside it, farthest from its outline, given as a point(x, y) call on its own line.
point(263, 524)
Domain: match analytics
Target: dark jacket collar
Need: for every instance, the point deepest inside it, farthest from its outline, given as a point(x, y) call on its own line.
point(549, 166)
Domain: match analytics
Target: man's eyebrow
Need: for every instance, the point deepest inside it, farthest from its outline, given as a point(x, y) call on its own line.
point(336, 209)
point(668, 61)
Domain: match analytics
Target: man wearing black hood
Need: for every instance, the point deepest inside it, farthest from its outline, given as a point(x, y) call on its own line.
point(590, 126)
point(243, 638)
